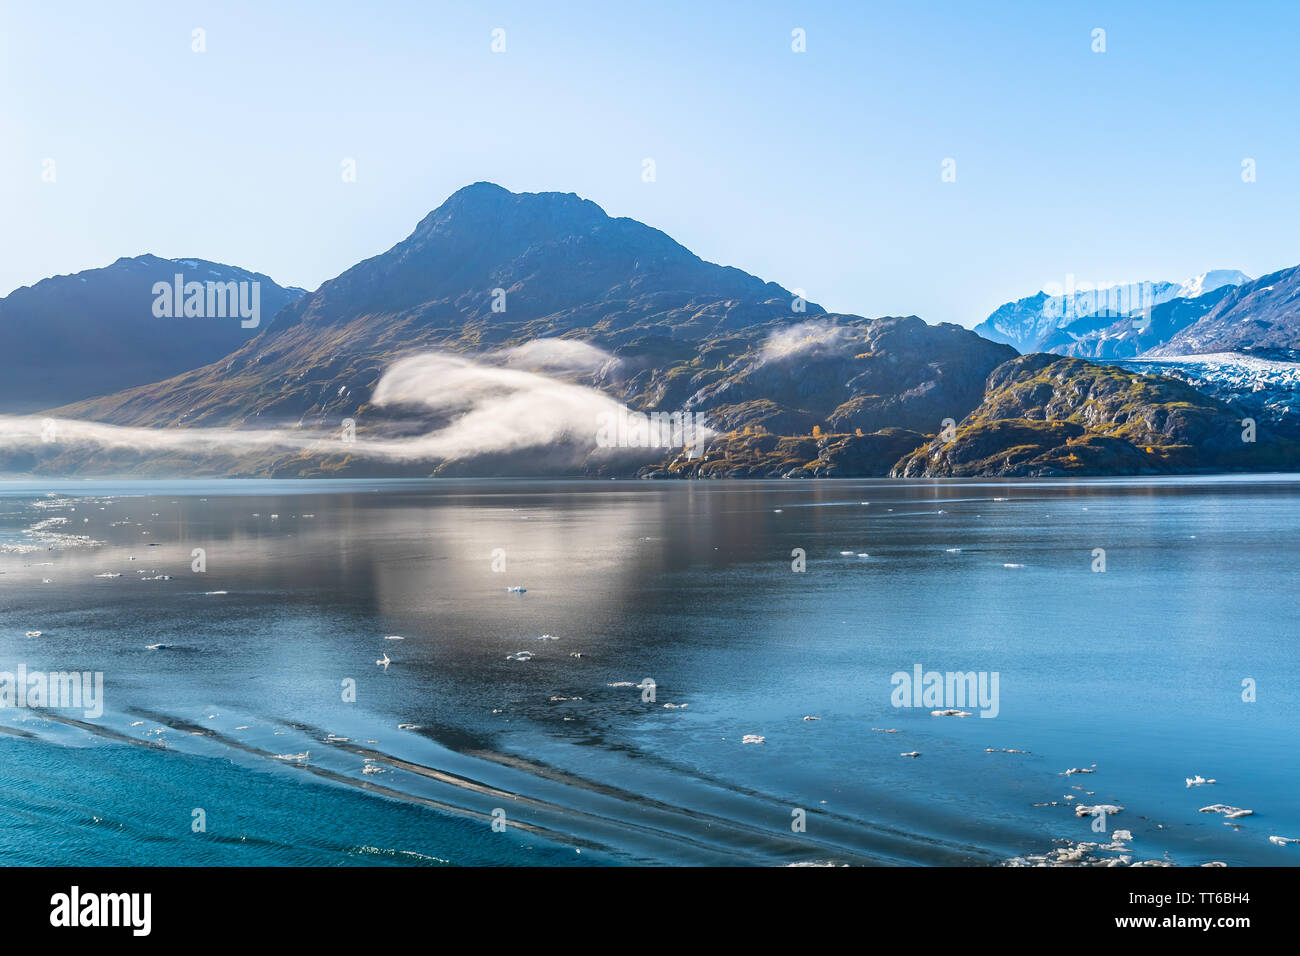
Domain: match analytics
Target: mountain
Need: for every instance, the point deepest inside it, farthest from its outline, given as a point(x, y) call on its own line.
point(494, 338)
point(1048, 416)
point(75, 336)
point(1130, 336)
point(1030, 323)
point(1264, 385)
point(1264, 314)
point(552, 264)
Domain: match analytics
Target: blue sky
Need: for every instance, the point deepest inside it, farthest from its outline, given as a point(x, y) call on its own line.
point(818, 170)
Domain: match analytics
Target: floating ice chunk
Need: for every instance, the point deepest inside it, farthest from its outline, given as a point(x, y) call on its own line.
point(1074, 770)
point(520, 656)
point(298, 757)
point(776, 511)
point(384, 662)
point(676, 706)
point(863, 554)
point(517, 589)
point(373, 770)
point(408, 726)
point(1232, 813)
point(394, 637)
point(949, 713)
point(1198, 781)
point(216, 592)
point(914, 753)
point(157, 647)
point(1107, 808)
point(846, 553)
point(953, 550)
point(547, 637)
point(1283, 841)
point(109, 574)
point(1003, 750)
point(1122, 836)
point(1009, 565)
point(812, 718)
point(34, 633)
point(883, 730)
point(753, 739)
point(621, 683)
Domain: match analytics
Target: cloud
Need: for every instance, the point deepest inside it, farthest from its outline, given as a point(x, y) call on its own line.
point(556, 355)
point(817, 336)
point(487, 408)
point(495, 409)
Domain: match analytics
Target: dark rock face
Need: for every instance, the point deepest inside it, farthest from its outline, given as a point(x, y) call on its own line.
point(849, 373)
point(73, 337)
point(1264, 314)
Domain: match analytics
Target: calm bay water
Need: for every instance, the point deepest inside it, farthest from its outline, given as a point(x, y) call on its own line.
point(1135, 673)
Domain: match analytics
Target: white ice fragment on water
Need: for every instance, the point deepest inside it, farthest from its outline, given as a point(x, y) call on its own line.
point(1198, 781)
point(1074, 770)
point(34, 633)
point(520, 656)
point(1283, 841)
point(914, 753)
point(949, 713)
point(383, 662)
point(676, 706)
point(408, 726)
point(753, 739)
point(517, 589)
point(1085, 811)
point(1013, 565)
point(812, 718)
point(394, 637)
point(1232, 813)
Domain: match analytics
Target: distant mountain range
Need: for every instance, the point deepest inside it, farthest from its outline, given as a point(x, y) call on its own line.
point(485, 342)
point(77, 336)
point(1043, 322)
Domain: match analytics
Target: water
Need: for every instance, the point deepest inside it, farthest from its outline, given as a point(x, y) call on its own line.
point(1136, 672)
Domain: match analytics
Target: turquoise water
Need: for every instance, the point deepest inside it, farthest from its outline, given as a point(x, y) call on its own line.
point(1135, 673)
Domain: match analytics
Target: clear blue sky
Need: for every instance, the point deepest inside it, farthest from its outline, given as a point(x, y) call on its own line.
point(818, 170)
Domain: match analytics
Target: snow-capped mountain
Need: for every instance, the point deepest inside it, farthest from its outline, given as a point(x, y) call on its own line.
point(1052, 322)
point(1209, 281)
